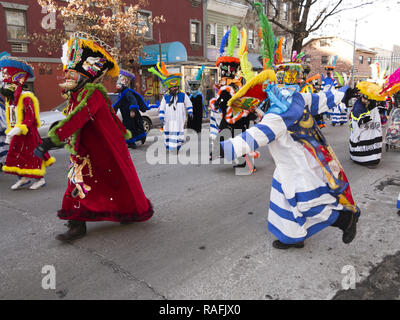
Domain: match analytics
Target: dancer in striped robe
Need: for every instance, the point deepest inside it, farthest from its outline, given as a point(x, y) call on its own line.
point(366, 129)
point(173, 108)
point(3, 128)
point(310, 190)
point(398, 205)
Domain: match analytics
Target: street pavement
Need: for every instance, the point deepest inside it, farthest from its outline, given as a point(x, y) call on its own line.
point(208, 238)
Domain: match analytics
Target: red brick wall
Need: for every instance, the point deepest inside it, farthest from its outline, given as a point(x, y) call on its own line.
point(177, 14)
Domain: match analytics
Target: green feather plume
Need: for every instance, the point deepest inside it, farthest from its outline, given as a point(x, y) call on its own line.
point(233, 39)
point(155, 72)
point(268, 38)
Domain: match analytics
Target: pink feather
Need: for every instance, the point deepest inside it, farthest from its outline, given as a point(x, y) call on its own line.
point(294, 57)
point(393, 79)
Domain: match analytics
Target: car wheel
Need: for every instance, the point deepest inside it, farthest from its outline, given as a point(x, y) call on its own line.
point(147, 125)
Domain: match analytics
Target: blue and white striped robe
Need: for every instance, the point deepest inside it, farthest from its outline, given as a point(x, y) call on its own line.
point(398, 202)
point(300, 202)
point(215, 120)
point(174, 117)
point(338, 113)
point(3, 126)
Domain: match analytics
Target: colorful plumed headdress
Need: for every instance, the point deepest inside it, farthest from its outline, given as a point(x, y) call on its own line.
point(331, 65)
point(291, 70)
point(14, 70)
point(372, 88)
point(392, 84)
point(169, 80)
point(227, 63)
point(89, 56)
point(267, 37)
point(196, 83)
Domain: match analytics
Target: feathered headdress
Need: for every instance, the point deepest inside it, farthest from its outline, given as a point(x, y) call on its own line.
point(227, 63)
point(245, 64)
point(392, 84)
point(377, 74)
point(331, 63)
point(169, 80)
point(90, 56)
point(267, 37)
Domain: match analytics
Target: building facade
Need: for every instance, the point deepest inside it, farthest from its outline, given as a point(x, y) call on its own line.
point(318, 51)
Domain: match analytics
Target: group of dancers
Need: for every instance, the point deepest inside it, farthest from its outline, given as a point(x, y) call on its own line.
point(310, 190)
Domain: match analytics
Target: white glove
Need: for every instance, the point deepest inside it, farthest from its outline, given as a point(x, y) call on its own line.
point(15, 131)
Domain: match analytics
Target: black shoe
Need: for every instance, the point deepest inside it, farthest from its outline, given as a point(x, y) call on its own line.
point(240, 165)
point(76, 230)
point(132, 146)
point(280, 245)
point(350, 233)
point(398, 212)
point(126, 222)
point(143, 140)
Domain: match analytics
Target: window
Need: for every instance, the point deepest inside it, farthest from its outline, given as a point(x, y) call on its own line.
point(274, 8)
point(195, 32)
point(324, 60)
point(251, 39)
point(145, 23)
point(16, 24)
point(308, 58)
point(369, 60)
point(213, 34)
point(361, 59)
point(285, 11)
point(323, 43)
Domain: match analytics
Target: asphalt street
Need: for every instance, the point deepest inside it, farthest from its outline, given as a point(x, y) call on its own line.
point(208, 238)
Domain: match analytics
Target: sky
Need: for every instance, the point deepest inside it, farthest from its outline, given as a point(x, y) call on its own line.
point(379, 24)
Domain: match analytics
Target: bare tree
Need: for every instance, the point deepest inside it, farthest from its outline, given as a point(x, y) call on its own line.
point(307, 16)
point(113, 21)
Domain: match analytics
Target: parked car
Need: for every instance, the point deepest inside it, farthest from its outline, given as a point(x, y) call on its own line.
point(51, 118)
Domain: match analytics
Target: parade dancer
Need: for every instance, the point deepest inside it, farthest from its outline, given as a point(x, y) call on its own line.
point(130, 103)
point(22, 118)
point(196, 97)
point(310, 190)
point(229, 84)
point(329, 83)
point(366, 128)
point(102, 181)
point(173, 108)
point(3, 128)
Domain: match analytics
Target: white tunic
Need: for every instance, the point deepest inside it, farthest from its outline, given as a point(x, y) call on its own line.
point(174, 117)
point(301, 202)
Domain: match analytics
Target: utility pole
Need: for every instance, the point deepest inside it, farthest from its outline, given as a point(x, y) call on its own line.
point(354, 55)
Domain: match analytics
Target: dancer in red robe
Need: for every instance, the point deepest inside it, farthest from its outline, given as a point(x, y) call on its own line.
point(22, 118)
point(103, 184)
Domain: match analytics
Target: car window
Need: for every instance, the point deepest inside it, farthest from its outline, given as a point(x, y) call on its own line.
point(60, 107)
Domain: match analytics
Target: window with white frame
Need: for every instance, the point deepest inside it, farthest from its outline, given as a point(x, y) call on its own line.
point(213, 34)
point(251, 39)
point(16, 24)
point(195, 32)
point(285, 11)
point(274, 8)
point(145, 24)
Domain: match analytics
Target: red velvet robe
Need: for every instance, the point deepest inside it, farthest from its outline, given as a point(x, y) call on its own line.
point(21, 160)
point(110, 187)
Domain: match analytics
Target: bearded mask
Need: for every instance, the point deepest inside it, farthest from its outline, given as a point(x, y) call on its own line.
point(125, 80)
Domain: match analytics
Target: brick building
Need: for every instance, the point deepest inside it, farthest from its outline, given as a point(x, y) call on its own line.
point(318, 51)
point(184, 24)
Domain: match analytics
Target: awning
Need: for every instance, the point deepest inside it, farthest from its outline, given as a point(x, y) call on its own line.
point(255, 62)
point(172, 52)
